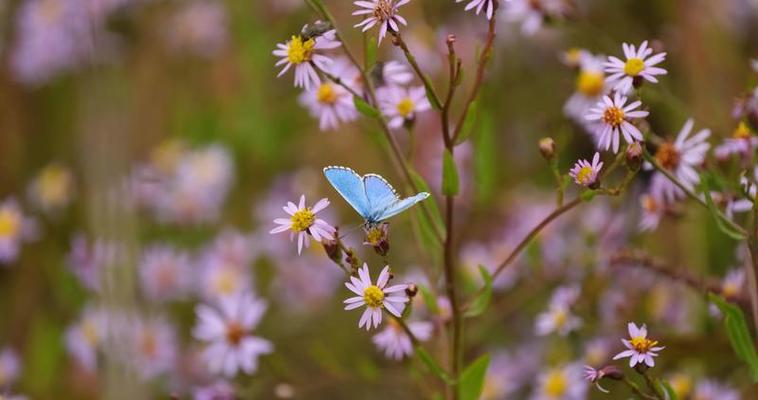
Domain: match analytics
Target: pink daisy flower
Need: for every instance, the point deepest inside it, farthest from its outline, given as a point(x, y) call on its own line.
point(638, 64)
point(640, 349)
point(584, 173)
point(375, 297)
point(612, 119)
point(383, 12)
point(303, 222)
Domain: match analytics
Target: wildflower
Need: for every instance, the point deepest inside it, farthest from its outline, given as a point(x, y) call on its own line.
point(505, 375)
point(595, 375)
point(532, 14)
point(742, 142)
point(304, 53)
point(382, 12)
point(681, 158)
point(303, 222)
point(589, 89)
point(84, 337)
point(584, 173)
point(653, 209)
point(396, 343)
point(15, 228)
point(228, 332)
point(480, 5)
point(638, 65)
point(199, 28)
point(712, 390)
point(87, 259)
point(640, 349)
point(165, 273)
point(221, 278)
point(395, 73)
point(375, 297)
point(377, 236)
point(52, 189)
point(330, 102)
point(682, 384)
point(596, 351)
point(733, 283)
point(10, 367)
point(612, 118)
point(219, 390)
point(153, 345)
point(402, 104)
point(561, 383)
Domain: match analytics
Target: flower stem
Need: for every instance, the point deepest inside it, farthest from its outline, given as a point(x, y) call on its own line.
point(431, 93)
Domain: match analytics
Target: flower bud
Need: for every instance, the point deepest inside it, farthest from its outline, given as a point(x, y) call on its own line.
point(612, 372)
point(377, 236)
point(547, 148)
point(412, 290)
point(634, 156)
point(450, 39)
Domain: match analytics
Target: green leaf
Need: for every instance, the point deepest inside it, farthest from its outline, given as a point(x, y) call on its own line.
point(468, 123)
point(450, 184)
point(431, 202)
point(432, 364)
point(430, 300)
point(365, 108)
point(670, 392)
point(482, 301)
point(588, 195)
point(370, 53)
point(472, 379)
point(429, 95)
point(721, 220)
point(738, 333)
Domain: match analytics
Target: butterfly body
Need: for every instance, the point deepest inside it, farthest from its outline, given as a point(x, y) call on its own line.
point(370, 195)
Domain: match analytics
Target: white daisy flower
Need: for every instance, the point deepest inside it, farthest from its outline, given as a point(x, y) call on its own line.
point(558, 319)
point(611, 118)
point(584, 173)
point(375, 297)
point(395, 342)
point(561, 383)
point(590, 86)
point(303, 222)
point(479, 5)
point(638, 65)
point(228, 332)
point(742, 142)
point(382, 12)
point(681, 158)
point(640, 349)
point(402, 104)
point(304, 54)
point(532, 14)
point(330, 102)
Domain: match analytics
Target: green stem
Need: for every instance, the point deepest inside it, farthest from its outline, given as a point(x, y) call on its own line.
point(431, 93)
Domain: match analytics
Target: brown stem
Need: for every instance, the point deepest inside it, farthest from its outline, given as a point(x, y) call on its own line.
point(483, 59)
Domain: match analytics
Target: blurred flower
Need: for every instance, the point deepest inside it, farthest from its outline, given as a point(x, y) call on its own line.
point(84, 337)
point(87, 259)
point(303, 222)
point(625, 74)
point(395, 343)
point(153, 347)
point(532, 13)
point(221, 278)
point(611, 118)
point(733, 283)
point(640, 349)
point(742, 143)
point(52, 188)
point(402, 104)
point(15, 228)
point(682, 384)
point(597, 351)
point(712, 390)
point(219, 390)
point(479, 5)
point(165, 273)
point(558, 317)
point(561, 383)
point(746, 107)
point(590, 87)
point(228, 332)
point(503, 378)
point(10, 368)
point(375, 297)
point(395, 73)
point(584, 173)
point(330, 102)
point(681, 158)
point(653, 209)
point(304, 54)
point(305, 283)
point(199, 27)
point(382, 12)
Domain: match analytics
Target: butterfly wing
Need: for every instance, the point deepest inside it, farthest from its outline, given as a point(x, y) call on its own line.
point(400, 205)
point(380, 195)
point(350, 186)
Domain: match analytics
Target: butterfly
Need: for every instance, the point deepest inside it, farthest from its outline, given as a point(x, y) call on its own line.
point(370, 195)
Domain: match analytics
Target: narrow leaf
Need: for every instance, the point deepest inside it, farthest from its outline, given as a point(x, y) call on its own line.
point(434, 209)
point(365, 108)
point(721, 220)
point(430, 94)
point(430, 300)
point(472, 379)
point(468, 123)
point(432, 364)
point(670, 392)
point(482, 301)
point(450, 185)
point(370, 53)
point(738, 333)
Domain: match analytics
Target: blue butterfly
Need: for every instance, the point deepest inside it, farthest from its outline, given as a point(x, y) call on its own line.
point(370, 195)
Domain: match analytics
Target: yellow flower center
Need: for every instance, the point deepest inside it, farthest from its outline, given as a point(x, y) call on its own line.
point(10, 223)
point(53, 184)
point(405, 107)
point(299, 51)
point(383, 10)
point(613, 116)
point(642, 344)
point(556, 384)
point(373, 296)
point(225, 282)
point(326, 94)
point(634, 66)
point(590, 83)
point(742, 131)
point(302, 220)
point(682, 385)
point(560, 318)
point(584, 176)
point(668, 156)
point(574, 55)
point(374, 236)
point(89, 331)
